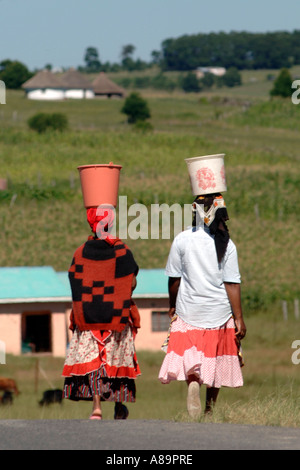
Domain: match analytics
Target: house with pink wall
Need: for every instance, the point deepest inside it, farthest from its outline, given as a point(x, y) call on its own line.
point(35, 305)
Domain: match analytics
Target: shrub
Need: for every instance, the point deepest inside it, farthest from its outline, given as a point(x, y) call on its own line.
point(142, 82)
point(282, 85)
point(40, 122)
point(136, 108)
point(190, 83)
point(232, 77)
point(143, 126)
point(58, 122)
point(207, 80)
point(161, 82)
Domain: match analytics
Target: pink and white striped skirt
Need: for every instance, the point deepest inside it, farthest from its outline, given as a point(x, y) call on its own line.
point(212, 355)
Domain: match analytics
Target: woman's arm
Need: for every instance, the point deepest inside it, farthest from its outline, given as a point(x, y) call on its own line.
point(174, 283)
point(234, 295)
point(134, 283)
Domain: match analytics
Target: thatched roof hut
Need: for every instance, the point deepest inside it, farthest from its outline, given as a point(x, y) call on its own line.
point(44, 86)
point(103, 86)
point(43, 79)
point(76, 85)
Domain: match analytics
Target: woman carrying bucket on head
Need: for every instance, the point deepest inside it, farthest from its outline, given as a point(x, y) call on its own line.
point(101, 363)
point(204, 294)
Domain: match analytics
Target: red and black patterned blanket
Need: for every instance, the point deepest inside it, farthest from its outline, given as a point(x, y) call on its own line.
point(101, 277)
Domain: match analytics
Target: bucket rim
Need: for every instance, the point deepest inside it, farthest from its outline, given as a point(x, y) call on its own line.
point(97, 165)
point(204, 157)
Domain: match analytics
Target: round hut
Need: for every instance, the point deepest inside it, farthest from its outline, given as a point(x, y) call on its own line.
point(76, 85)
point(105, 87)
point(44, 86)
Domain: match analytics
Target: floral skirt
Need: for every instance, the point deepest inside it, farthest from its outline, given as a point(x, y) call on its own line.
point(101, 363)
point(212, 355)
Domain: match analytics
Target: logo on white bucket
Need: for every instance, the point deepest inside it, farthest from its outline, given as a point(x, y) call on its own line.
point(207, 174)
point(206, 178)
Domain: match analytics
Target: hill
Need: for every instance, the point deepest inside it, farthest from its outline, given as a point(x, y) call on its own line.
point(42, 215)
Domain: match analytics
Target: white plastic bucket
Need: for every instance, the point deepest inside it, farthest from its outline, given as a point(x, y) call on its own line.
point(207, 174)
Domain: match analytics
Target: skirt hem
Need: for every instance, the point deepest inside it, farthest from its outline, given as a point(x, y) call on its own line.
point(210, 355)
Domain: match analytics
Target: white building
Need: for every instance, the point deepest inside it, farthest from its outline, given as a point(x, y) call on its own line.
point(44, 86)
point(217, 71)
point(76, 85)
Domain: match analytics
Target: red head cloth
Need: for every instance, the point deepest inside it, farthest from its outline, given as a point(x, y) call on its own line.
point(101, 221)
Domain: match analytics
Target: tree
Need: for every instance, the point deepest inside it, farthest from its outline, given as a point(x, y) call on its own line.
point(127, 51)
point(207, 80)
point(283, 84)
point(243, 50)
point(136, 108)
point(232, 77)
point(91, 58)
point(126, 56)
point(190, 83)
point(161, 82)
point(14, 73)
point(156, 57)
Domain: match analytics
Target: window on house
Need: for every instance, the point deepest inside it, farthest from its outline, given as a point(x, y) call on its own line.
point(160, 320)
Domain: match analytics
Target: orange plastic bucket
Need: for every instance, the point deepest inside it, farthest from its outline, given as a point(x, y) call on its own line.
point(99, 184)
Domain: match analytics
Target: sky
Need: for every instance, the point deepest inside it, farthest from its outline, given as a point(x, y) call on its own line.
point(58, 32)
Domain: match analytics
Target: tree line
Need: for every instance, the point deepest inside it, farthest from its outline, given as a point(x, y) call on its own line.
point(234, 51)
point(243, 50)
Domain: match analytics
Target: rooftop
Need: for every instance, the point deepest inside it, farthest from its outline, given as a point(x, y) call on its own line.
point(43, 283)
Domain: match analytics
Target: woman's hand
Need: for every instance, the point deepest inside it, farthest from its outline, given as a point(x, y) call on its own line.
point(240, 331)
point(171, 312)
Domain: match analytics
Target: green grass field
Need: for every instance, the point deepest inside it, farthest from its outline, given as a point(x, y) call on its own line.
point(43, 219)
point(270, 395)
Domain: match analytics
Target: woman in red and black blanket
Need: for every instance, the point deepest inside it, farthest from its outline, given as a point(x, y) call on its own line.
point(101, 363)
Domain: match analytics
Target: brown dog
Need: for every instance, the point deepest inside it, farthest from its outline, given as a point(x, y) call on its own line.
point(8, 385)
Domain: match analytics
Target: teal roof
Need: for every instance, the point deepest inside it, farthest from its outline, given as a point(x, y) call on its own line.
point(39, 283)
point(43, 283)
point(151, 283)
point(64, 278)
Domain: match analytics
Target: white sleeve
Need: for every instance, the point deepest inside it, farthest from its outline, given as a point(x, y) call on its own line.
point(174, 265)
point(231, 272)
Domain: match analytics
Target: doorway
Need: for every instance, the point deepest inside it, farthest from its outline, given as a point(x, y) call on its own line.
point(36, 332)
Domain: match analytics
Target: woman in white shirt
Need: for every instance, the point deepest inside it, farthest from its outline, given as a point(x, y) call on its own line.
point(205, 306)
